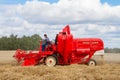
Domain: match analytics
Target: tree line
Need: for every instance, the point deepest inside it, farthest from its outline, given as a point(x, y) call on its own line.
point(112, 50)
point(13, 42)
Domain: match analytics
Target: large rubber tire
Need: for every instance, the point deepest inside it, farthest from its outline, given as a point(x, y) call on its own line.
point(51, 61)
point(91, 62)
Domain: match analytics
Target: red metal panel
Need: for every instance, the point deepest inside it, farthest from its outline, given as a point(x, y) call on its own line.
point(69, 50)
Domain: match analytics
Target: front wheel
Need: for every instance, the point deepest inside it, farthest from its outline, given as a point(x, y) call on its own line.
point(51, 61)
point(91, 62)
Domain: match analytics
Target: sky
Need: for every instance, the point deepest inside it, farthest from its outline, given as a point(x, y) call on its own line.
point(87, 18)
point(110, 2)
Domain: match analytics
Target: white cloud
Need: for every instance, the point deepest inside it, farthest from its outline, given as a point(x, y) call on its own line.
point(69, 11)
point(87, 18)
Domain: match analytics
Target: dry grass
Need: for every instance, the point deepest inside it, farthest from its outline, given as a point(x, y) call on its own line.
point(67, 72)
point(12, 71)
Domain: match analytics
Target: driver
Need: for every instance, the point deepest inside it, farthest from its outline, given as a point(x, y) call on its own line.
point(46, 42)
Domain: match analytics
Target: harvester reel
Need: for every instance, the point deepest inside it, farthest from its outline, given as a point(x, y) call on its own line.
point(91, 62)
point(51, 61)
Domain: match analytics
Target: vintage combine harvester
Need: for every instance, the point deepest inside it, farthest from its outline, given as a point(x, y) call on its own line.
point(65, 50)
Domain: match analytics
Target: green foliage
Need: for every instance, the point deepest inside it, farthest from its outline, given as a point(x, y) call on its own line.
point(112, 50)
point(25, 42)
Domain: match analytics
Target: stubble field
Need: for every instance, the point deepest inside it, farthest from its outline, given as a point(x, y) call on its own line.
point(10, 70)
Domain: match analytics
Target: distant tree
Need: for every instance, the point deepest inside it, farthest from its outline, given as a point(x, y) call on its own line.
point(13, 42)
point(112, 50)
point(3, 43)
point(35, 39)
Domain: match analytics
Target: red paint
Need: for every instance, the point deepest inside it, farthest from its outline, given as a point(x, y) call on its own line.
point(68, 50)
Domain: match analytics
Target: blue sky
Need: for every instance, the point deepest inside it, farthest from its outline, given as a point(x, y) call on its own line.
point(22, 1)
point(111, 2)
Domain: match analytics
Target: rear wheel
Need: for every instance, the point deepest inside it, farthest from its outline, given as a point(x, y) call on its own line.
point(51, 61)
point(91, 62)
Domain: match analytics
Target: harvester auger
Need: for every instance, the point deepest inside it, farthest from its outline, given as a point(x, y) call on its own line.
point(65, 50)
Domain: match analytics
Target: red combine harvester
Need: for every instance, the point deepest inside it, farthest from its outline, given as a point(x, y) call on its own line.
point(65, 50)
